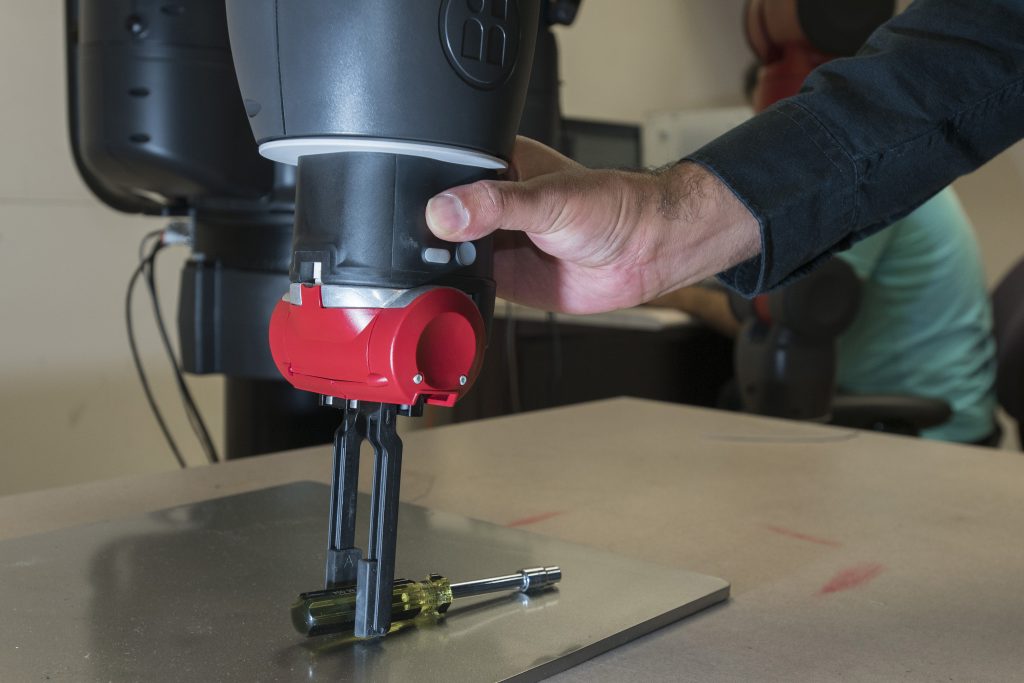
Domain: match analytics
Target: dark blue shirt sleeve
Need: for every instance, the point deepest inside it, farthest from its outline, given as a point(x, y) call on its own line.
point(934, 94)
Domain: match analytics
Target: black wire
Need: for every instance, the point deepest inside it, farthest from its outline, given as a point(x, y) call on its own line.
point(191, 410)
point(145, 238)
point(138, 361)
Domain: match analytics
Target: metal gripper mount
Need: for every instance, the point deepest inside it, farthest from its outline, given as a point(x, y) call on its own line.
point(374, 575)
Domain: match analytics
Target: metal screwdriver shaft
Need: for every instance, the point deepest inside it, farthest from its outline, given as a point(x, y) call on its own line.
point(523, 581)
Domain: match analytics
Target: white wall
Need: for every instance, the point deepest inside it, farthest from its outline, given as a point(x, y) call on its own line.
point(993, 199)
point(623, 60)
point(70, 407)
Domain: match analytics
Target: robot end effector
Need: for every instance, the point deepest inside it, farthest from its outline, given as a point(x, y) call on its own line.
point(381, 106)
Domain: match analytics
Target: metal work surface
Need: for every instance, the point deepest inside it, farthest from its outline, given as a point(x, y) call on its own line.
point(201, 592)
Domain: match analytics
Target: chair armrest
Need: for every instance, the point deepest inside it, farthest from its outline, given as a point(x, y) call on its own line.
point(889, 413)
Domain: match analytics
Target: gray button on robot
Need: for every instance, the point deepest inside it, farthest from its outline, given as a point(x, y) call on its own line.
point(466, 254)
point(439, 256)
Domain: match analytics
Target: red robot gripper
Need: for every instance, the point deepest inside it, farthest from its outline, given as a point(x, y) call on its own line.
point(431, 348)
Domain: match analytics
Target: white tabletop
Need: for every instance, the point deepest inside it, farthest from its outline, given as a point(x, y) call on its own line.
point(851, 554)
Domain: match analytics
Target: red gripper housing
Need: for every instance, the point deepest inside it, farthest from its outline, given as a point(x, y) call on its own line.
point(431, 348)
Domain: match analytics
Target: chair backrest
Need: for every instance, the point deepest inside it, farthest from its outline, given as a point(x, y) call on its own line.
point(1008, 319)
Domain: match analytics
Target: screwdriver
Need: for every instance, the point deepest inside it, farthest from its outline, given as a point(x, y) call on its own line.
point(334, 610)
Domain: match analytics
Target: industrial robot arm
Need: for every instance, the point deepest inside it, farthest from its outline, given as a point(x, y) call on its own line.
point(369, 109)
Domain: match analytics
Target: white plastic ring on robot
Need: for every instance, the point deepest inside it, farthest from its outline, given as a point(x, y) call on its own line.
point(289, 150)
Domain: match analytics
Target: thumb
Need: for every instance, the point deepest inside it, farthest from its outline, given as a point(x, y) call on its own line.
point(473, 211)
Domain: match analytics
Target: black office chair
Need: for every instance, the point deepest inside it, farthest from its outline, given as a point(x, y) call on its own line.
point(1008, 319)
point(786, 358)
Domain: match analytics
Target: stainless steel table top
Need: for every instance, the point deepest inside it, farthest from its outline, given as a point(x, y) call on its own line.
point(201, 592)
point(851, 555)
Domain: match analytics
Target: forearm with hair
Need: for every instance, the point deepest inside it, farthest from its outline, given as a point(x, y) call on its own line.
point(703, 227)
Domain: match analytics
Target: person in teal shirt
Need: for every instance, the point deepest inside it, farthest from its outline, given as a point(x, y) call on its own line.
point(924, 326)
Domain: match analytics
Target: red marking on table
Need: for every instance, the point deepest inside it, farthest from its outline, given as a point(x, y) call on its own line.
point(527, 521)
point(802, 536)
point(852, 577)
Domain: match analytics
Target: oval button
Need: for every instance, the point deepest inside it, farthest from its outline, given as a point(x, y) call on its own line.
point(438, 256)
point(466, 254)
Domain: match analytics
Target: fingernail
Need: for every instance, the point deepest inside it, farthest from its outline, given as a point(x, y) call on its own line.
point(446, 213)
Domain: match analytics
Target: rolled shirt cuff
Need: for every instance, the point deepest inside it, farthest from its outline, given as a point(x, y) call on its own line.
point(799, 184)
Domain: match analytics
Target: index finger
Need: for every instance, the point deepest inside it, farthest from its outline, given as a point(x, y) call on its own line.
point(531, 159)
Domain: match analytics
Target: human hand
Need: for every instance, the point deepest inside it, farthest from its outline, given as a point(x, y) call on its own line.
point(578, 240)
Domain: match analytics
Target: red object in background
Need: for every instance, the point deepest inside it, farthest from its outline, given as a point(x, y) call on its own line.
point(785, 76)
point(763, 308)
point(377, 354)
point(786, 54)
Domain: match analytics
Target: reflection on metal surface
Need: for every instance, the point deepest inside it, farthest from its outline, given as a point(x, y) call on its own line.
point(201, 592)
